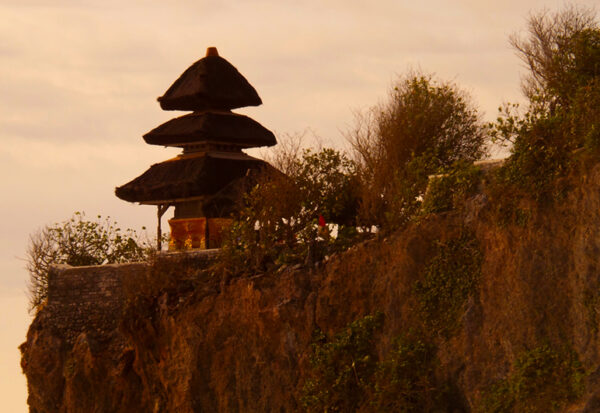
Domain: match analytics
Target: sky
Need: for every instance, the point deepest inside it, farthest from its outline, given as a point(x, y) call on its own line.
point(79, 82)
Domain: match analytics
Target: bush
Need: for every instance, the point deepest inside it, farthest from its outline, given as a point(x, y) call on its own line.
point(540, 155)
point(425, 127)
point(448, 191)
point(562, 51)
point(405, 380)
point(347, 376)
point(342, 375)
point(278, 220)
point(543, 379)
point(448, 280)
point(585, 116)
point(78, 242)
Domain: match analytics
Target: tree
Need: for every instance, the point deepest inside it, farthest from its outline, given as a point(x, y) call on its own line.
point(425, 127)
point(78, 242)
point(278, 219)
point(562, 52)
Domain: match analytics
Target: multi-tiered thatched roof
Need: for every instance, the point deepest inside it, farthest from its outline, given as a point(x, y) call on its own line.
point(212, 165)
point(210, 83)
point(187, 177)
point(219, 128)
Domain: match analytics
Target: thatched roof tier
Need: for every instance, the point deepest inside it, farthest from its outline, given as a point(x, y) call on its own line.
point(210, 83)
point(210, 126)
point(189, 176)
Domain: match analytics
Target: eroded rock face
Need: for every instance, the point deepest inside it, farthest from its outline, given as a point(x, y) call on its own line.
point(244, 345)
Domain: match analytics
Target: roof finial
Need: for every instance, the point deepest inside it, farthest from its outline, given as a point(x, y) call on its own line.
point(212, 51)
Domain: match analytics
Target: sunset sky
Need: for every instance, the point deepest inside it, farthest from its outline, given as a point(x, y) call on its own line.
point(79, 81)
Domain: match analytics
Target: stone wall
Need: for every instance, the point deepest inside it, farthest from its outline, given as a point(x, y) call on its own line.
point(91, 298)
point(88, 298)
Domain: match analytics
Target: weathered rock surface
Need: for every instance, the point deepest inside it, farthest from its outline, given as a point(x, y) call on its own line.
point(244, 345)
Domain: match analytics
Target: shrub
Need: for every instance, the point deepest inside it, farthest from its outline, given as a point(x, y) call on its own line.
point(448, 280)
point(543, 379)
point(562, 51)
point(424, 128)
point(405, 380)
point(343, 369)
point(540, 155)
point(278, 220)
point(347, 376)
point(78, 242)
point(585, 116)
point(448, 191)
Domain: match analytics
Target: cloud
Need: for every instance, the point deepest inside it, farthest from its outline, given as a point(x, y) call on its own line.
point(93, 73)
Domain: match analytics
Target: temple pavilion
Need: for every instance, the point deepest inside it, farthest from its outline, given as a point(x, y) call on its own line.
point(203, 183)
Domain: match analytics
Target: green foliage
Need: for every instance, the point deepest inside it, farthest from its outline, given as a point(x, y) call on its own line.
point(278, 221)
point(584, 117)
point(346, 375)
point(78, 242)
point(424, 129)
point(509, 203)
point(541, 153)
point(509, 213)
point(448, 280)
point(403, 197)
point(562, 51)
point(430, 119)
point(543, 379)
point(449, 190)
point(405, 380)
point(343, 368)
point(326, 180)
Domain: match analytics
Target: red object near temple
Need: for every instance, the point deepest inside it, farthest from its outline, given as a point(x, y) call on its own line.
point(322, 222)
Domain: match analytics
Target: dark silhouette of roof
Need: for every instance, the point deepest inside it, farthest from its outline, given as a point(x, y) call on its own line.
point(189, 176)
point(210, 126)
point(213, 170)
point(210, 83)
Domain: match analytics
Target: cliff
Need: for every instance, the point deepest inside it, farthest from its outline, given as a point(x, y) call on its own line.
point(512, 323)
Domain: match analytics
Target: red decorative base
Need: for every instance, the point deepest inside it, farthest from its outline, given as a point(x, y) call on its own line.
point(193, 233)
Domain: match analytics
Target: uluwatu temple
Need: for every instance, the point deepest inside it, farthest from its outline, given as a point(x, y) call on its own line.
point(204, 182)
